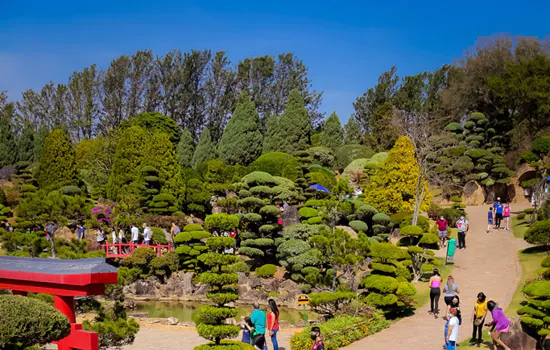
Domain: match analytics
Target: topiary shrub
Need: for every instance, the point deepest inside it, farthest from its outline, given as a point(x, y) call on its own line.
point(25, 322)
point(411, 230)
point(225, 345)
point(422, 222)
point(266, 271)
point(316, 220)
point(307, 212)
point(541, 146)
point(329, 303)
point(398, 218)
point(70, 190)
point(192, 227)
point(277, 164)
point(429, 240)
point(358, 226)
point(221, 222)
point(454, 127)
point(381, 219)
point(538, 233)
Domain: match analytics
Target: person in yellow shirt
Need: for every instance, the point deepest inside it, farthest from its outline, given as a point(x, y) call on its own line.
point(478, 318)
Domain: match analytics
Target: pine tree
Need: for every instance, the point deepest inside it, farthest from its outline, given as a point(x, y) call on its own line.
point(294, 125)
point(241, 141)
point(333, 135)
point(161, 156)
point(271, 139)
point(185, 149)
point(58, 162)
point(392, 188)
point(8, 142)
point(206, 149)
point(353, 134)
point(25, 143)
point(129, 159)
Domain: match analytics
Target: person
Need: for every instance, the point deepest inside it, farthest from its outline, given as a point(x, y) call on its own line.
point(80, 232)
point(258, 341)
point(273, 322)
point(100, 237)
point(446, 331)
point(114, 236)
point(248, 328)
point(174, 230)
point(455, 304)
point(50, 229)
point(500, 324)
point(450, 289)
point(498, 213)
point(452, 334)
point(478, 318)
point(442, 229)
point(9, 227)
point(316, 337)
point(147, 234)
point(135, 234)
point(258, 320)
point(435, 292)
point(489, 219)
point(463, 226)
point(506, 215)
point(121, 238)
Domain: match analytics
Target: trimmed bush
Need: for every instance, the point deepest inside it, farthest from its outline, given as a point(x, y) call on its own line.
point(381, 219)
point(192, 227)
point(538, 233)
point(277, 164)
point(308, 212)
point(28, 321)
point(541, 146)
point(316, 220)
point(358, 226)
point(379, 283)
point(422, 222)
point(411, 230)
point(221, 222)
point(225, 345)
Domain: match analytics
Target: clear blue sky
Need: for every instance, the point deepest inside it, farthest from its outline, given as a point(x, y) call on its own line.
point(345, 45)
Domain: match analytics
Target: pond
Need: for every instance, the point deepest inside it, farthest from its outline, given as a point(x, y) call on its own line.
point(186, 311)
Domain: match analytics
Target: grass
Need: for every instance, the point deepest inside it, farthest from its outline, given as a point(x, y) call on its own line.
point(520, 226)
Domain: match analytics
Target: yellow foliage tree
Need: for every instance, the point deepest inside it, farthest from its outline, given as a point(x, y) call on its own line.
point(392, 188)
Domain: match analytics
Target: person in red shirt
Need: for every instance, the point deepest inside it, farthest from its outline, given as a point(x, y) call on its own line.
point(316, 336)
point(442, 226)
point(273, 322)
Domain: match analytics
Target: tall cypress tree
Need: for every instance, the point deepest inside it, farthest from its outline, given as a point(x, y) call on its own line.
point(129, 159)
point(294, 125)
point(333, 135)
point(206, 149)
point(58, 162)
point(353, 134)
point(241, 141)
point(185, 149)
point(271, 139)
point(8, 143)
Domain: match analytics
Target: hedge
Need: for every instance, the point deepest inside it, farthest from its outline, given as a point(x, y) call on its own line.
point(266, 271)
point(192, 227)
point(382, 284)
point(341, 331)
point(221, 222)
point(307, 212)
point(411, 230)
point(27, 321)
point(225, 345)
point(358, 225)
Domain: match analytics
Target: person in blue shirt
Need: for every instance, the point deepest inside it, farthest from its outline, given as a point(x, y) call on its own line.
point(489, 219)
point(498, 213)
point(258, 319)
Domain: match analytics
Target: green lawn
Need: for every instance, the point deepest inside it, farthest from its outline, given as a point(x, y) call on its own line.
point(520, 226)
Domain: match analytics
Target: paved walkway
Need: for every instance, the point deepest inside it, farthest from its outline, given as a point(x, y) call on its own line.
point(489, 264)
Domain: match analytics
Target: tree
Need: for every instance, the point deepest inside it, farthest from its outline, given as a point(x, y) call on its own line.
point(393, 187)
point(538, 233)
point(27, 321)
point(152, 122)
point(272, 140)
point(353, 134)
point(185, 149)
point(94, 159)
point(58, 162)
point(241, 142)
point(333, 135)
point(8, 140)
point(129, 159)
point(294, 125)
point(206, 149)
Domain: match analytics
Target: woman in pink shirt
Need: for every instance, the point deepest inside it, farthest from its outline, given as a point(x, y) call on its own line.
point(506, 215)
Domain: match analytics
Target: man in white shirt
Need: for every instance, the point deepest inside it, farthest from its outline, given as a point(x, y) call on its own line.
point(452, 334)
point(147, 234)
point(135, 234)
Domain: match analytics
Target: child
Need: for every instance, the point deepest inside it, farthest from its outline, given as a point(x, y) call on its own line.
point(489, 219)
point(247, 327)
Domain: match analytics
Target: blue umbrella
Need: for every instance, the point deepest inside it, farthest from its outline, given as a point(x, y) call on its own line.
point(319, 188)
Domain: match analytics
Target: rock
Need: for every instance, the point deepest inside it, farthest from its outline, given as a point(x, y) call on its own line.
point(203, 288)
point(243, 289)
point(179, 284)
point(270, 284)
point(148, 287)
point(349, 230)
point(64, 234)
point(473, 194)
point(254, 282)
point(290, 286)
point(139, 314)
point(517, 339)
point(173, 321)
point(129, 305)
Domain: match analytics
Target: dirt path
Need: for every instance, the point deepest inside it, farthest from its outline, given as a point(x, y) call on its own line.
point(489, 264)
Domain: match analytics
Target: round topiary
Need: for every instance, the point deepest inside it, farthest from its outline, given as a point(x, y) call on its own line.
point(411, 230)
point(192, 227)
point(270, 210)
point(382, 284)
point(266, 271)
point(25, 322)
point(405, 289)
point(225, 345)
point(358, 226)
point(381, 300)
point(428, 240)
point(308, 212)
point(381, 219)
point(454, 127)
point(316, 220)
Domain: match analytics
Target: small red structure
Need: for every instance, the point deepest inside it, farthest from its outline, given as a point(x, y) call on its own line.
point(122, 250)
point(64, 279)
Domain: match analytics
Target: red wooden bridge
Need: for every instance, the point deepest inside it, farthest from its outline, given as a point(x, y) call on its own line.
point(123, 250)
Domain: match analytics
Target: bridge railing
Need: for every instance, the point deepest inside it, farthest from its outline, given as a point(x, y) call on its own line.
point(122, 250)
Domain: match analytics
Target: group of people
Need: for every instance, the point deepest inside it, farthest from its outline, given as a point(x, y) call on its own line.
point(497, 214)
point(119, 235)
point(442, 226)
point(453, 315)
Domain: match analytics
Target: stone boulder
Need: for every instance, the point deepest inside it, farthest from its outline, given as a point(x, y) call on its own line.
point(473, 194)
point(149, 287)
point(179, 284)
point(517, 339)
point(173, 321)
point(65, 234)
point(349, 230)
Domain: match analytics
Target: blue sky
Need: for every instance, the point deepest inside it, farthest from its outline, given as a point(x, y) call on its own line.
point(346, 45)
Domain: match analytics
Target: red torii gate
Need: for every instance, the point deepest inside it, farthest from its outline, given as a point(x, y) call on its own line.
point(64, 279)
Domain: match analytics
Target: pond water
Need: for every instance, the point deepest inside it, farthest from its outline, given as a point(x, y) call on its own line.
point(186, 311)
